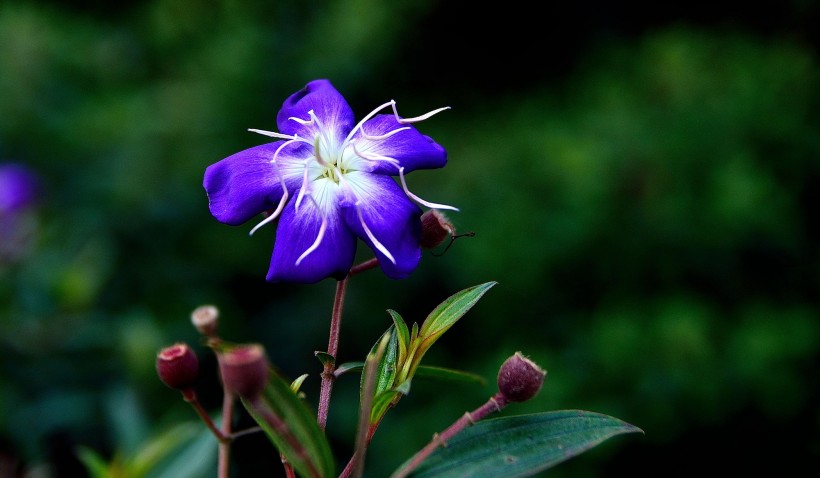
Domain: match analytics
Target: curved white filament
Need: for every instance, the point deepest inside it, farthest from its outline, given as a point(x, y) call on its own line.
point(419, 200)
point(378, 245)
point(285, 194)
point(319, 236)
point(383, 136)
point(374, 156)
point(417, 118)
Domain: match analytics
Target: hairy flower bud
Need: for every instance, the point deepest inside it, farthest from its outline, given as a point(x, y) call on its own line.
point(244, 370)
point(435, 229)
point(178, 366)
point(205, 318)
point(519, 378)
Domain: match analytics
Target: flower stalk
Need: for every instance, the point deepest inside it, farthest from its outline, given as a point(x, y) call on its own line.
point(328, 375)
point(495, 404)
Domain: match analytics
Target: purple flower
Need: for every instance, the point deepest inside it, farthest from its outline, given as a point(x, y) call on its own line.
point(18, 188)
point(18, 198)
point(328, 182)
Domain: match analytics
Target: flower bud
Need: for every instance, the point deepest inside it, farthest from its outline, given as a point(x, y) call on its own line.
point(519, 378)
point(178, 366)
point(435, 229)
point(244, 370)
point(205, 318)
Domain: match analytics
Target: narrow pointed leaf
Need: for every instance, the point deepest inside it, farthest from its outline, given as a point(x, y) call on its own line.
point(384, 400)
point(348, 367)
point(94, 463)
point(297, 437)
point(521, 446)
point(381, 359)
point(161, 446)
point(195, 459)
point(403, 334)
point(366, 394)
point(453, 308)
point(325, 358)
point(387, 364)
point(297, 384)
point(441, 373)
point(382, 403)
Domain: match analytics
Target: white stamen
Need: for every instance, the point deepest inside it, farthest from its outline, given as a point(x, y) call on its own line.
point(319, 236)
point(285, 193)
point(316, 150)
point(273, 135)
point(385, 135)
point(378, 245)
point(304, 189)
point(301, 121)
point(373, 156)
point(272, 216)
point(369, 115)
point(376, 242)
point(417, 118)
point(419, 200)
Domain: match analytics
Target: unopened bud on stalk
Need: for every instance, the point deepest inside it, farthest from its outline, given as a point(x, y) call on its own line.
point(244, 370)
point(178, 366)
point(519, 378)
point(435, 229)
point(205, 318)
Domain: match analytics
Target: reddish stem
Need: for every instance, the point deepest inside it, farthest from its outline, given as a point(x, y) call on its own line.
point(225, 446)
point(190, 396)
point(332, 350)
point(494, 404)
point(364, 266)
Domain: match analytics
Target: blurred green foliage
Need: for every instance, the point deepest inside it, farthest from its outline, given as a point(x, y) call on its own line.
point(650, 213)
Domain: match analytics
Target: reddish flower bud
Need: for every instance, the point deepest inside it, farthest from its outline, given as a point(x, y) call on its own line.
point(244, 370)
point(205, 318)
point(519, 378)
point(435, 229)
point(178, 366)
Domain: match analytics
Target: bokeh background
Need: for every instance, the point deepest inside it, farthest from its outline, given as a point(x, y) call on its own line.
point(642, 179)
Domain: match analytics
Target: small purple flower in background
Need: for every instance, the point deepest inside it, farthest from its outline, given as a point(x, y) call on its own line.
point(328, 180)
point(18, 196)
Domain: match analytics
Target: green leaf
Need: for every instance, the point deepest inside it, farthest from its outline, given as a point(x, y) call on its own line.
point(388, 359)
point(161, 446)
point(521, 445)
point(297, 384)
point(94, 463)
point(439, 321)
point(325, 358)
point(453, 308)
point(382, 403)
point(292, 428)
point(348, 367)
point(196, 458)
point(371, 375)
point(426, 371)
point(403, 334)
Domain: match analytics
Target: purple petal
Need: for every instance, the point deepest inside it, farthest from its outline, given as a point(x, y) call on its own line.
point(246, 183)
point(390, 216)
point(18, 187)
point(326, 102)
point(296, 233)
point(412, 149)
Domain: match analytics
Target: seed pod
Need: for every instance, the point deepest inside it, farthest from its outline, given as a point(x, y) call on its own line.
point(244, 370)
point(178, 366)
point(205, 318)
point(519, 378)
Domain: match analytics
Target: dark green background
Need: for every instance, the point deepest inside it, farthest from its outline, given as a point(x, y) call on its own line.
point(642, 181)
